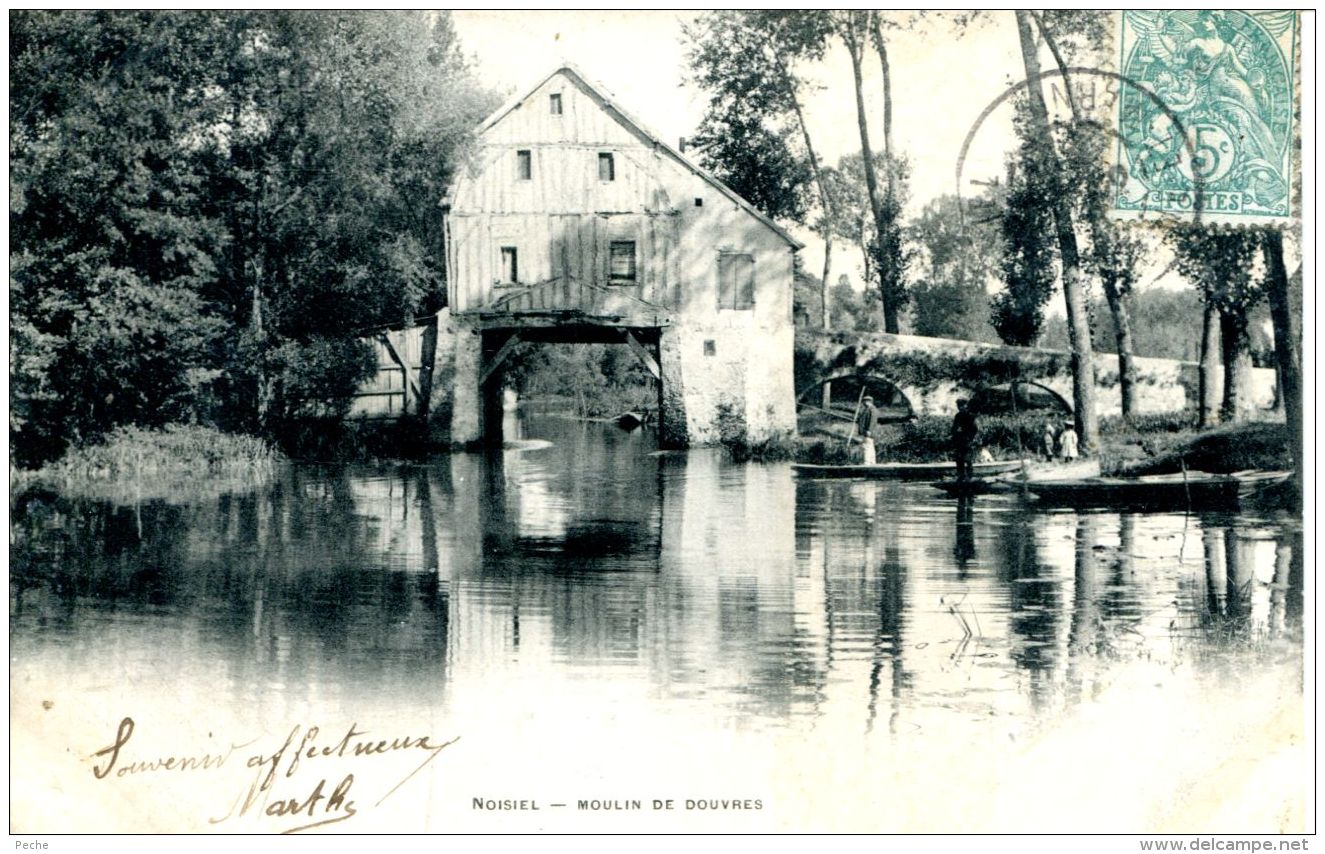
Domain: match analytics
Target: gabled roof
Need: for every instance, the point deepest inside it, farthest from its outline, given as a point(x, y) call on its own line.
point(600, 96)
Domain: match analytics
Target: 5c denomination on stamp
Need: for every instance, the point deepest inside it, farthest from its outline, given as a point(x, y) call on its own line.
point(1211, 136)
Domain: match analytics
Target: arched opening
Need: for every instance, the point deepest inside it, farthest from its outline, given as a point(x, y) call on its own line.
point(549, 376)
point(836, 415)
point(1018, 398)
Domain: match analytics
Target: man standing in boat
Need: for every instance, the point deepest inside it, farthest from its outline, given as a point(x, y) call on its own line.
point(964, 433)
point(865, 421)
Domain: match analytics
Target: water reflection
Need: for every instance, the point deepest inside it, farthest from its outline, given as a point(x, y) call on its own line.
point(735, 592)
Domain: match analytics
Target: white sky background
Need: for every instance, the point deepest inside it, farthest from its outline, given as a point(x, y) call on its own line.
point(942, 81)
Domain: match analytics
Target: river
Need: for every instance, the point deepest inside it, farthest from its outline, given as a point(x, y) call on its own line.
point(597, 618)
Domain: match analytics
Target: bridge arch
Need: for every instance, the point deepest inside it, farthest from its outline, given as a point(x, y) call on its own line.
point(846, 388)
point(1019, 396)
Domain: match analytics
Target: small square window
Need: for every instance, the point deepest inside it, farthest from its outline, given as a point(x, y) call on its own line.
point(554, 103)
point(622, 261)
point(510, 265)
point(710, 348)
point(699, 203)
point(606, 167)
point(524, 165)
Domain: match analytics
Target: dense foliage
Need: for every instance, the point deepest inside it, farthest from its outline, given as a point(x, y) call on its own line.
point(952, 266)
point(207, 208)
point(1029, 251)
point(752, 134)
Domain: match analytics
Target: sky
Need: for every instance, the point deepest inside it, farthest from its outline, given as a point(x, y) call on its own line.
point(942, 82)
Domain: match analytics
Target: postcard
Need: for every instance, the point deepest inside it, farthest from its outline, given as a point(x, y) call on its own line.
point(594, 422)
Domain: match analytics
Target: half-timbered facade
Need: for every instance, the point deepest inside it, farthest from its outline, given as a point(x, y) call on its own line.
point(574, 223)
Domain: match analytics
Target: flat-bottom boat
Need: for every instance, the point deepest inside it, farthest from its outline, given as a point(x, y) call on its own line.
point(1015, 481)
point(903, 471)
point(1195, 490)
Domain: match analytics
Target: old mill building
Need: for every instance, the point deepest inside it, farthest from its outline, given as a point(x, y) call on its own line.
point(573, 223)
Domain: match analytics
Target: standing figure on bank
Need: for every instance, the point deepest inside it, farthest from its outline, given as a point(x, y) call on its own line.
point(1067, 443)
point(964, 433)
point(1048, 442)
point(865, 421)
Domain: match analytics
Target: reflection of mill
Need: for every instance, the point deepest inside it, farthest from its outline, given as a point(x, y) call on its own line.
point(777, 597)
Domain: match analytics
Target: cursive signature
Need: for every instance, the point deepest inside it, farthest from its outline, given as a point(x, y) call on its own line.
point(272, 789)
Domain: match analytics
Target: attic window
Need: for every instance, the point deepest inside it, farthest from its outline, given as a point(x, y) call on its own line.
point(524, 165)
point(606, 167)
point(554, 103)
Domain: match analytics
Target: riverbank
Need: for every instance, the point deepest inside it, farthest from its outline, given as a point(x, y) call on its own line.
point(1151, 445)
point(138, 463)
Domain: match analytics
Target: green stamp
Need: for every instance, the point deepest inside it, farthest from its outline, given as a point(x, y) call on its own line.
point(1205, 116)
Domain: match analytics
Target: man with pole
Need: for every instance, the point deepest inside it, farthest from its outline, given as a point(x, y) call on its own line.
point(964, 433)
point(866, 417)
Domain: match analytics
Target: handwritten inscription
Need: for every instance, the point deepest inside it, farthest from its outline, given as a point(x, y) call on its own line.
point(322, 795)
point(202, 762)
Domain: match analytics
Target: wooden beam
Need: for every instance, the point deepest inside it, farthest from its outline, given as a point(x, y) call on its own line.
point(544, 318)
point(499, 357)
point(427, 361)
point(385, 338)
point(643, 353)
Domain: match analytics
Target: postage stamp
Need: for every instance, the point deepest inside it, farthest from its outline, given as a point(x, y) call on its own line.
point(1206, 131)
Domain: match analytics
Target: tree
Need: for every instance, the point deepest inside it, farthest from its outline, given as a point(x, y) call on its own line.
point(852, 309)
point(856, 28)
point(112, 241)
point(208, 208)
point(746, 61)
point(853, 220)
point(1287, 342)
point(951, 268)
point(1028, 249)
point(1220, 265)
point(1113, 255)
point(1083, 363)
point(757, 163)
point(1211, 391)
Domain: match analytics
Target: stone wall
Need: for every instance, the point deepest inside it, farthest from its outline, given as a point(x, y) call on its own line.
point(934, 372)
point(725, 378)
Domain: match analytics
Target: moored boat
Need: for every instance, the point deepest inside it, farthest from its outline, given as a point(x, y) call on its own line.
point(903, 471)
point(1195, 490)
point(1014, 481)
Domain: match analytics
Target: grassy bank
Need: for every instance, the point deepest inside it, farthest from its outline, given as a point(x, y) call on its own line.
point(1227, 448)
point(136, 464)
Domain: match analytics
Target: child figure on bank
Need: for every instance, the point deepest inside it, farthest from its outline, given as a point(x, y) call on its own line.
point(1048, 442)
point(1067, 443)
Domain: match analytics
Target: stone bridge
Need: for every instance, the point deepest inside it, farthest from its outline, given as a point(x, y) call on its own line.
point(932, 373)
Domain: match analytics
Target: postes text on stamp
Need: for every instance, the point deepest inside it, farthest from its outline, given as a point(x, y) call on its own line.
point(1205, 131)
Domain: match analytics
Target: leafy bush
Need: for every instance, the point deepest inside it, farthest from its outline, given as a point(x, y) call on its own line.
point(328, 439)
point(772, 449)
point(1160, 422)
point(1233, 447)
point(826, 452)
point(317, 377)
point(928, 438)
